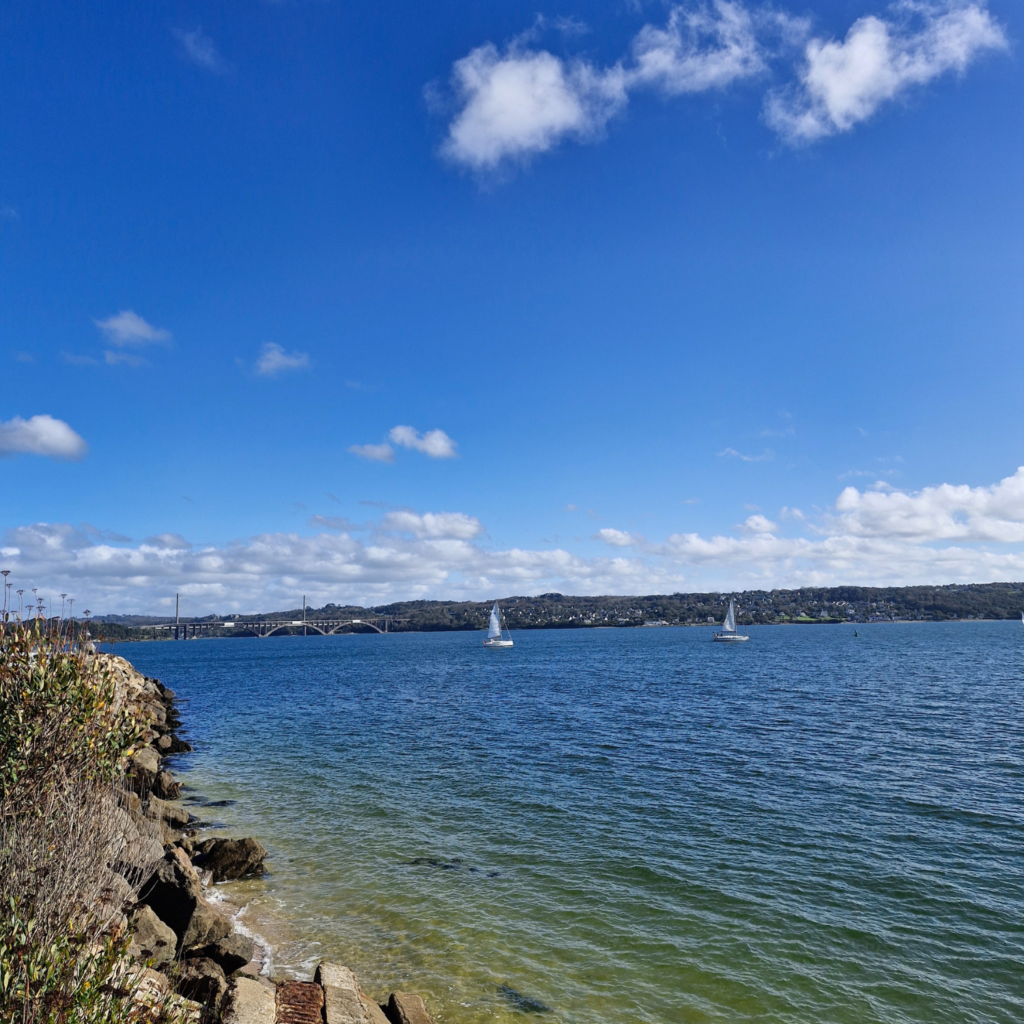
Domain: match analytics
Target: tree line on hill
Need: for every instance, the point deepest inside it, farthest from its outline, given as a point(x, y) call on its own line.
point(559, 611)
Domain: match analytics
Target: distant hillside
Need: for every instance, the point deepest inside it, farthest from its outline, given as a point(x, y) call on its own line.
point(558, 611)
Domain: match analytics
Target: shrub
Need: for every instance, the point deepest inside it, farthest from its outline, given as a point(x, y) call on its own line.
point(65, 737)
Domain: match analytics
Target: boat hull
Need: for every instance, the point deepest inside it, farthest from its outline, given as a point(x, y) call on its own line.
point(498, 643)
point(730, 638)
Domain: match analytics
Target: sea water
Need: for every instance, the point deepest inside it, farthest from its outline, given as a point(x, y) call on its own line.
point(611, 826)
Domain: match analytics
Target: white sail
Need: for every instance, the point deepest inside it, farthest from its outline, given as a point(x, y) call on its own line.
point(494, 626)
point(730, 617)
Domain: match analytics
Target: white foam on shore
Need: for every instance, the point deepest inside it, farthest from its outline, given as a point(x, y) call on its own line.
point(264, 950)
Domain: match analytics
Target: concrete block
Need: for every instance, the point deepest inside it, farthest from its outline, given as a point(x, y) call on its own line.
point(249, 1002)
point(341, 994)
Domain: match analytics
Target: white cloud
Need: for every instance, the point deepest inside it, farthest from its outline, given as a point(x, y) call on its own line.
point(946, 512)
point(844, 83)
point(616, 538)
point(41, 435)
point(273, 360)
point(700, 48)
point(759, 524)
point(128, 328)
point(942, 534)
point(435, 443)
point(201, 50)
point(375, 452)
point(521, 102)
point(514, 103)
point(433, 524)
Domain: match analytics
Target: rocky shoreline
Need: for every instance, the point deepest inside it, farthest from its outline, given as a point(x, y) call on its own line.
point(163, 874)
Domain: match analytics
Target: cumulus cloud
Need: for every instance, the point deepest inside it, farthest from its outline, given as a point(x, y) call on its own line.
point(201, 50)
point(759, 524)
point(616, 538)
point(128, 328)
point(274, 360)
point(700, 48)
point(946, 512)
point(515, 103)
point(41, 435)
point(521, 102)
point(433, 524)
point(434, 443)
point(843, 83)
point(511, 104)
point(941, 534)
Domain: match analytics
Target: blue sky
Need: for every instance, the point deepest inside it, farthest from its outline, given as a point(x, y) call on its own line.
point(376, 301)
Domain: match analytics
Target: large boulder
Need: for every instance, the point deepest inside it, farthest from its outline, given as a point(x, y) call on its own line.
point(203, 981)
point(232, 952)
point(164, 786)
point(230, 858)
point(248, 1002)
point(172, 814)
point(142, 769)
point(175, 894)
point(151, 938)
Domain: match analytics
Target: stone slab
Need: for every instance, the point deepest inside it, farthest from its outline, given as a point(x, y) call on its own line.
point(341, 994)
point(249, 1002)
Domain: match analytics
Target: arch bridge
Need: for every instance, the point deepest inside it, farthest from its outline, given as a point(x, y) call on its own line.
point(263, 628)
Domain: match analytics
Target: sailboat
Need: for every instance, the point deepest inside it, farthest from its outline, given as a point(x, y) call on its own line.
point(494, 630)
point(729, 634)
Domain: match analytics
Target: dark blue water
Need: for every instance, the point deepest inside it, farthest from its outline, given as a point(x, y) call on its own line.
point(631, 825)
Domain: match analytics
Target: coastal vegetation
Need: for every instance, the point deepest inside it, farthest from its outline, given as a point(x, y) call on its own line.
point(559, 611)
point(66, 734)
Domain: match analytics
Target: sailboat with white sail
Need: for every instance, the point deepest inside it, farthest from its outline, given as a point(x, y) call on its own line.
point(495, 632)
point(729, 634)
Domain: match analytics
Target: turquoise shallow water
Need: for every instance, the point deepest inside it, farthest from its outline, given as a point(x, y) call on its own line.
point(630, 825)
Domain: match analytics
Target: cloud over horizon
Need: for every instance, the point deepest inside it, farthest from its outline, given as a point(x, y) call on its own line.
point(878, 536)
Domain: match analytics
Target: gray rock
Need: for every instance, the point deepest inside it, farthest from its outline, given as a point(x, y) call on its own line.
point(174, 893)
point(148, 759)
point(163, 744)
point(231, 858)
point(151, 938)
point(405, 1008)
point(164, 786)
point(168, 695)
point(232, 952)
point(248, 1002)
point(372, 1011)
point(341, 994)
point(172, 814)
point(203, 981)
